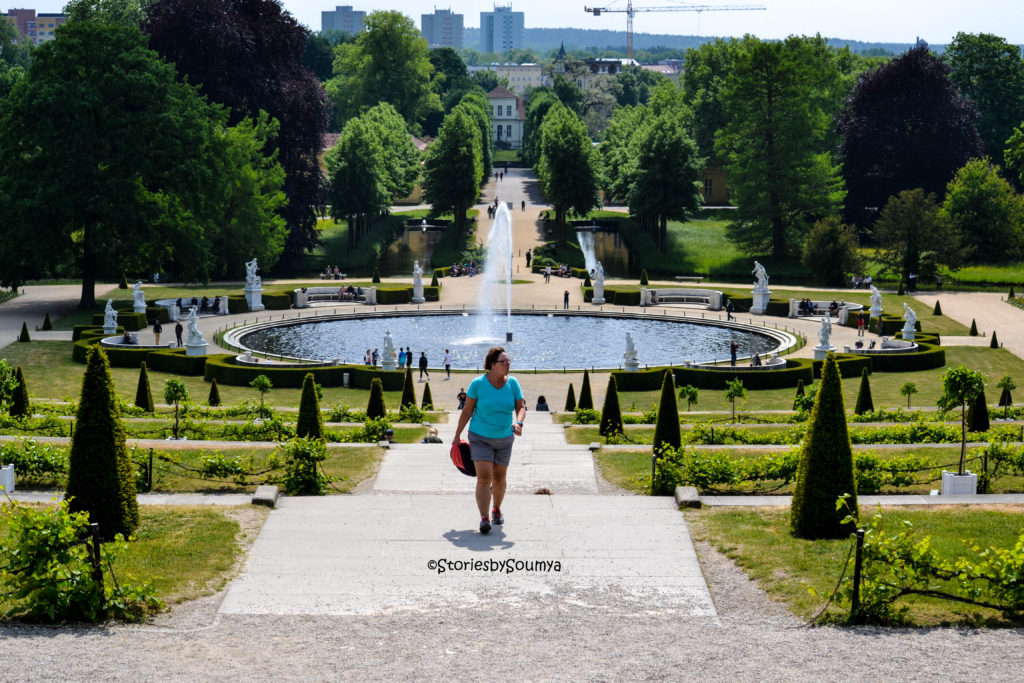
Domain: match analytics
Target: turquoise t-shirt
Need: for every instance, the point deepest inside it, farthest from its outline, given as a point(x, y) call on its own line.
point(495, 408)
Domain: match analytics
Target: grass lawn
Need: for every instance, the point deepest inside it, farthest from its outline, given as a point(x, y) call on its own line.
point(758, 540)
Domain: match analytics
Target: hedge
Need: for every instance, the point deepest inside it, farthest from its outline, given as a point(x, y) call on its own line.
point(614, 296)
point(225, 370)
point(929, 357)
point(175, 361)
point(850, 365)
point(128, 320)
point(91, 331)
point(776, 307)
point(404, 296)
point(702, 378)
point(274, 301)
point(124, 357)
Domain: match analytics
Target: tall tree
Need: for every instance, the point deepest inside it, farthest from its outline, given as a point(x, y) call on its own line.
point(908, 224)
point(568, 165)
point(15, 51)
point(781, 176)
point(832, 252)
point(247, 54)
point(990, 73)
point(358, 177)
point(986, 211)
point(476, 100)
point(401, 159)
point(116, 12)
point(537, 106)
point(703, 81)
point(904, 127)
point(453, 166)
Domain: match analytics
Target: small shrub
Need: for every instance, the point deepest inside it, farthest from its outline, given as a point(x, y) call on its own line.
point(375, 407)
point(977, 414)
point(570, 399)
point(611, 414)
point(376, 276)
point(994, 342)
point(175, 393)
point(408, 391)
point(20, 406)
point(690, 394)
point(587, 282)
point(433, 280)
point(303, 475)
point(734, 390)
point(143, 393)
point(124, 281)
point(938, 309)
point(263, 385)
point(214, 398)
point(864, 402)
point(586, 397)
point(23, 337)
point(310, 423)
point(428, 400)
point(974, 328)
point(47, 325)
point(643, 278)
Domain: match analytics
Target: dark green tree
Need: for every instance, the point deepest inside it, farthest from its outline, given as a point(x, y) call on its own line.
point(214, 398)
point(994, 342)
point(23, 335)
point(454, 166)
point(143, 392)
point(938, 309)
point(1007, 385)
point(47, 325)
point(666, 429)
point(20, 404)
point(537, 106)
point(611, 414)
point(358, 178)
point(960, 388)
point(567, 168)
point(909, 224)
point(864, 402)
point(100, 477)
point(408, 390)
point(428, 400)
point(570, 399)
point(800, 391)
point(832, 252)
point(974, 328)
point(826, 464)
point(477, 104)
point(175, 393)
point(977, 414)
point(586, 401)
point(375, 406)
point(311, 423)
point(703, 80)
point(643, 278)
point(986, 211)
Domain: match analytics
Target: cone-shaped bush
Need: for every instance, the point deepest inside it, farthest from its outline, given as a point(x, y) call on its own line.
point(570, 399)
point(23, 337)
point(643, 278)
point(666, 429)
point(586, 281)
point(800, 391)
point(977, 414)
point(100, 477)
point(974, 328)
point(124, 281)
point(900, 291)
point(214, 398)
point(408, 391)
point(47, 325)
point(826, 464)
point(428, 400)
point(938, 308)
point(310, 423)
point(433, 280)
point(994, 342)
point(611, 414)
point(19, 400)
point(143, 393)
point(1012, 295)
point(375, 406)
point(376, 276)
point(586, 398)
point(864, 402)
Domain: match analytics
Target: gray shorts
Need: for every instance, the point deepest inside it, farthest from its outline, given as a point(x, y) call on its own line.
point(498, 451)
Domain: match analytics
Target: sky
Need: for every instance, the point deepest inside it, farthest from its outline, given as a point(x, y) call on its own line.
point(892, 21)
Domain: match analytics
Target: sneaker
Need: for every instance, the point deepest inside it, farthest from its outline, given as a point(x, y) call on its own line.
point(485, 525)
point(497, 517)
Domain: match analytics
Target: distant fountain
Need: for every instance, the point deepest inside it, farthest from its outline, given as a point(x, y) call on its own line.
point(586, 240)
point(497, 270)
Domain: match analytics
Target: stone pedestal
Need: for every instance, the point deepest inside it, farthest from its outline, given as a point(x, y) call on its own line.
point(371, 296)
point(876, 311)
point(908, 332)
point(417, 293)
point(954, 484)
point(761, 297)
point(7, 478)
point(254, 297)
point(821, 351)
point(195, 349)
point(598, 299)
point(139, 308)
point(109, 330)
point(223, 307)
point(632, 364)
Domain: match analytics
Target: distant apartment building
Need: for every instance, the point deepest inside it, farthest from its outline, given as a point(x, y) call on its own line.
point(37, 28)
point(342, 18)
point(501, 30)
point(507, 116)
point(442, 29)
point(519, 75)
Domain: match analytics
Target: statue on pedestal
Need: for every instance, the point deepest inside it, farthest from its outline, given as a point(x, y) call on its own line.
point(195, 337)
point(110, 317)
point(762, 277)
point(631, 358)
point(252, 280)
point(825, 333)
point(417, 273)
point(138, 298)
point(389, 357)
point(909, 317)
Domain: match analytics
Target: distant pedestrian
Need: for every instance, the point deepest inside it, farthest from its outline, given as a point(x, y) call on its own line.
point(860, 324)
point(729, 308)
point(524, 205)
point(447, 365)
point(423, 365)
point(529, 256)
point(178, 329)
point(408, 356)
point(462, 398)
point(565, 300)
point(376, 355)
point(157, 329)
point(547, 273)
point(401, 357)
point(733, 348)
point(367, 357)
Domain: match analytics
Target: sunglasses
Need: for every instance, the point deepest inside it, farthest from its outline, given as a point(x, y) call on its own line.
point(507, 360)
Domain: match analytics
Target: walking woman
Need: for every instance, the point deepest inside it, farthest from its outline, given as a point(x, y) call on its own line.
point(495, 410)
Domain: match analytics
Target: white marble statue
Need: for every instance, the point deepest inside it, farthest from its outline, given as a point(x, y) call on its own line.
point(876, 298)
point(417, 273)
point(195, 337)
point(138, 297)
point(109, 316)
point(762, 276)
point(252, 280)
point(825, 333)
point(909, 316)
point(630, 357)
point(389, 358)
point(599, 273)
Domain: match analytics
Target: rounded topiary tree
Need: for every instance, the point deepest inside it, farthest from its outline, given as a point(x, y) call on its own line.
point(263, 385)
point(611, 413)
point(643, 278)
point(586, 401)
point(994, 342)
point(938, 309)
point(311, 423)
point(826, 464)
point(666, 429)
point(408, 391)
point(864, 402)
point(100, 477)
point(143, 393)
point(20, 405)
point(376, 276)
point(428, 400)
point(375, 406)
point(960, 388)
point(977, 414)
point(690, 394)
point(47, 325)
point(175, 393)
point(974, 328)
point(23, 337)
point(570, 399)
point(214, 398)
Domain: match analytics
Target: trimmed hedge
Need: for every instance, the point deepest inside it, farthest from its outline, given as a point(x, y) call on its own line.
point(614, 296)
point(91, 332)
point(175, 361)
point(929, 357)
point(776, 307)
point(650, 380)
point(849, 365)
point(126, 357)
point(225, 370)
point(130, 321)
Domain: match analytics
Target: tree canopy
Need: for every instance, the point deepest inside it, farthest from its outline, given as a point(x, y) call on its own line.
point(567, 167)
point(986, 211)
point(908, 226)
point(453, 167)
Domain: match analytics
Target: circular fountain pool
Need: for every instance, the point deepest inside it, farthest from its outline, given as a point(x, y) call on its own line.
point(544, 341)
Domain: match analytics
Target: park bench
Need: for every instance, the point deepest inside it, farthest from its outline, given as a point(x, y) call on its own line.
point(822, 308)
point(695, 279)
point(312, 294)
point(332, 276)
point(672, 295)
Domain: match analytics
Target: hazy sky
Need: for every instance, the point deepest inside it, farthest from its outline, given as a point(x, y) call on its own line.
point(937, 21)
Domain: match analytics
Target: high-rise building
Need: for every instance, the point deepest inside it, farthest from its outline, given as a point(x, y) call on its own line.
point(343, 18)
point(501, 30)
point(37, 28)
point(442, 29)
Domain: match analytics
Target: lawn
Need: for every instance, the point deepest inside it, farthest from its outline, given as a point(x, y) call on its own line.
point(758, 540)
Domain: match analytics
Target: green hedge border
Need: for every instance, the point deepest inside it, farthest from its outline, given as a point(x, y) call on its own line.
point(225, 370)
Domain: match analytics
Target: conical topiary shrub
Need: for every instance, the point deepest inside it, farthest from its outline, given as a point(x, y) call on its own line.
point(23, 337)
point(20, 406)
point(611, 414)
point(974, 328)
point(799, 392)
point(376, 276)
point(900, 291)
point(408, 391)
point(428, 400)
point(666, 429)
point(143, 393)
point(124, 281)
point(570, 399)
point(938, 308)
point(586, 281)
point(586, 398)
point(375, 406)
point(826, 464)
point(310, 422)
point(643, 278)
point(864, 402)
point(47, 325)
point(994, 342)
point(1012, 295)
point(977, 414)
point(100, 477)
point(214, 398)
point(433, 280)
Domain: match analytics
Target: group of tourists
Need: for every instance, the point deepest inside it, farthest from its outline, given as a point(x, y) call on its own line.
point(465, 268)
point(331, 273)
point(861, 281)
point(205, 305)
point(349, 293)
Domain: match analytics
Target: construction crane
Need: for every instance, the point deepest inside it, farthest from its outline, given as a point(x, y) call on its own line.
point(630, 11)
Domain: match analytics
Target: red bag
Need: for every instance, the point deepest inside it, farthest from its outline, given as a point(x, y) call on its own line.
point(462, 460)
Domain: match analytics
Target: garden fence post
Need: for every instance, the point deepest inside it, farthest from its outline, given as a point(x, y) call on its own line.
point(654, 465)
point(855, 600)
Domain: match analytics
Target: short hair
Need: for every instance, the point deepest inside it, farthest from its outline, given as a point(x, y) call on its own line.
point(541, 399)
point(492, 357)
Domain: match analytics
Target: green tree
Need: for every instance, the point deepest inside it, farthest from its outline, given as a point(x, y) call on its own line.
point(453, 166)
point(488, 80)
point(311, 422)
point(781, 175)
point(586, 401)
point(666, 428)
point(358, 178)
point(214, 398)
point(114, 12)
point(909, 222)
point(864, 402)
point(408, 391)
point(734, 391)
point(20, 404)
point(825, 471)
point(689, 394)
point(8, 385)
point(450, 72)
point(570, 399)
point(143, 392)
point(100, 477)
point(15, 52)
point(480, 107)
point(567, 167)
point(986, 211)
point(537, 106)
point(428, 400)
point(994, 341)
point(703, 80)
point(832, 251)
point(1006, 384)
point(175, 394)
point(908, 389)
point(401, 159)
point(23, 335)
point(262, 384)
point(960, 388)
point(375, 407)
point(611, 413)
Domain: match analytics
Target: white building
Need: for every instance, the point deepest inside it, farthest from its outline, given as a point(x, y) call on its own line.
point(501, 30)
point(442, 29)
point(343, 18)
point(507, 116)
point(520, 76)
